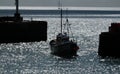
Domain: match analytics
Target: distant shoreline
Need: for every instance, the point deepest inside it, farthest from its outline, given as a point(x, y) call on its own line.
point(57, 12)
point(72, 12)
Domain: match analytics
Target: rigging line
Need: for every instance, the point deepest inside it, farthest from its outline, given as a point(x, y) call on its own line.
point(64, 27)
point(71, 32)
point(59, 4)
point(66, 13)
point(55, 31)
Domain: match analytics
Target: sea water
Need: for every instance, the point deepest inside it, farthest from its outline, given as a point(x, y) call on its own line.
point(35, 57)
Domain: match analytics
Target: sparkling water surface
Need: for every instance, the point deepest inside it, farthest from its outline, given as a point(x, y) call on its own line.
point(35, 57)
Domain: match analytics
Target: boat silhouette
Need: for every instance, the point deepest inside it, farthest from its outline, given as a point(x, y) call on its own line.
point(63, 46)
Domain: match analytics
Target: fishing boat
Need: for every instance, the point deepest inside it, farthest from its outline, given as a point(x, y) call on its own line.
point(63, 45)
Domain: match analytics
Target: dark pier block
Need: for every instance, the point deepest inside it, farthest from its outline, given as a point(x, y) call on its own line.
point(14, 29)
point(23, 31)
point(109, 42)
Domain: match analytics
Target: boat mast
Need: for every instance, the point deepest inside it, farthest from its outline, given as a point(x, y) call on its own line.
point(60, 7)
point(61, 19)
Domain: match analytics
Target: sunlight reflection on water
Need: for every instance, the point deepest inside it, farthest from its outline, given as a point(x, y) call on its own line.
point(35, 57)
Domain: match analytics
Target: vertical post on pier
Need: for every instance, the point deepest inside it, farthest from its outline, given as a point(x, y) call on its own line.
point(17, 4)
point(17, 15)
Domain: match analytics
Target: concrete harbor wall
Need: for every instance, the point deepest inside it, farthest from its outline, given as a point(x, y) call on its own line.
point(109, 42)
point(23, 31)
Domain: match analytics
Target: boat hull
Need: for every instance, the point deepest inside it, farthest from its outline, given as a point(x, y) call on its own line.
point(66, 49)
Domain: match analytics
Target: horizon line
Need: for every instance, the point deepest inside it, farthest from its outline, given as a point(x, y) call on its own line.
point(55, 8)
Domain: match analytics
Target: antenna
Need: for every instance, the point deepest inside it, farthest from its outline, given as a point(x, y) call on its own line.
point(59, 4)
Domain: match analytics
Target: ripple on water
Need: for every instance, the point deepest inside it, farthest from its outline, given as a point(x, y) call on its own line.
point(35, 57)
